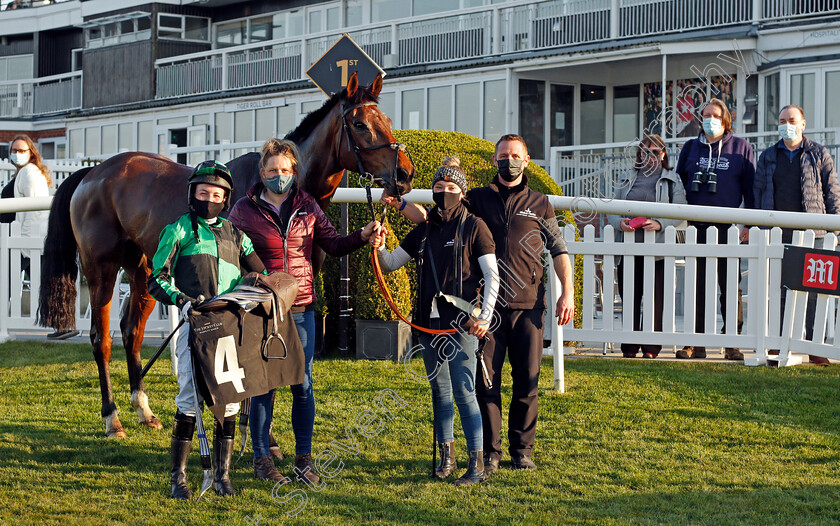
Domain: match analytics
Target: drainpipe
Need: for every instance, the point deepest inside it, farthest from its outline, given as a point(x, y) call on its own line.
point(664, 113)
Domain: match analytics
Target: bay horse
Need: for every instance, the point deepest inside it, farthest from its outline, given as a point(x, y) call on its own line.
point(112, 215)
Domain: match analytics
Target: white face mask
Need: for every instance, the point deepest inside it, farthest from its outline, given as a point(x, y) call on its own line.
point(712, 126)
point(19, 159)
point(788, 132)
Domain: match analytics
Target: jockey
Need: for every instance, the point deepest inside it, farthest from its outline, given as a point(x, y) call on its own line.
point(206, 256)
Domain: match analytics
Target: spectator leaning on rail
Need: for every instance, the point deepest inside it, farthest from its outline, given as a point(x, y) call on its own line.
point(518, 218)
point(285, 222)
point(651, 179)
point(717, 169)
point(797, 175)
point(32, 179)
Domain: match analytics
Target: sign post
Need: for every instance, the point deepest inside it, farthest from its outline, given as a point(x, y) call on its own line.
point(331, 72)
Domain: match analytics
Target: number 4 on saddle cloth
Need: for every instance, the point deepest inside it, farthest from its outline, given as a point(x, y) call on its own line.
point(245, 343)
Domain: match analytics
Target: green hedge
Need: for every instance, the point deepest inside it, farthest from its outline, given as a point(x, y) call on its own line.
point(428, 148)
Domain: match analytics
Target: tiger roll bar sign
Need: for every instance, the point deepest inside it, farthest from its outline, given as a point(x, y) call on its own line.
point(331, 72)
point(811, 270)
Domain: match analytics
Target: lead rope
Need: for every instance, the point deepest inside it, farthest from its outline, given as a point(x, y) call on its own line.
point(380, 277)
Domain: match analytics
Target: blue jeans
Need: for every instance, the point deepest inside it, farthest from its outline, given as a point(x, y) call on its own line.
point(303, 399)
point(450, 365)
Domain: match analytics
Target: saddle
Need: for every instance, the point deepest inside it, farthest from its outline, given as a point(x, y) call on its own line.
point(274, 293)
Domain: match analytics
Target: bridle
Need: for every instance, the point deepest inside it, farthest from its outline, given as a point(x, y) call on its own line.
point(367, 179)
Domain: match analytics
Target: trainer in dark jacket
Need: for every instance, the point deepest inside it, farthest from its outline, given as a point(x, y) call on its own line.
point(731, 158)
point(522, 223)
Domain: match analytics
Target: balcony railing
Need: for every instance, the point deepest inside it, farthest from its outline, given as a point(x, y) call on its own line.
point(41, 96)
point(471, 33)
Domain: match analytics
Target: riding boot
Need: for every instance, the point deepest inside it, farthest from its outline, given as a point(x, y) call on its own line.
point(475, 470)
point(222, 453)
point(182, 434)
point(447, 464)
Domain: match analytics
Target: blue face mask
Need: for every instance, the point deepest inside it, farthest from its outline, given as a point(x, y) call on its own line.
point(279, 184)
point(788, 132)
point(713, 127)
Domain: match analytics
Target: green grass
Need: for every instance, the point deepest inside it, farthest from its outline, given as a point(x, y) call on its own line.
point(630, 443)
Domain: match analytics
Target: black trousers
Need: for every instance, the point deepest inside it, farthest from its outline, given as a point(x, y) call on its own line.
point(520, 335)
point(658, 295)
point(700, 298)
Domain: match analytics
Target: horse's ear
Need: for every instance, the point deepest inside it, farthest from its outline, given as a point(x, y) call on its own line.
point(352, 85)
point(376, 87)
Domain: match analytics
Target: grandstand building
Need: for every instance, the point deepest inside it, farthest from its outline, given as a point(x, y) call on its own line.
point(90, 78)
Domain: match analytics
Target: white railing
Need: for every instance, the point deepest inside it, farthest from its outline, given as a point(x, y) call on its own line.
point(788, 9)
point(40, 96)
point(470, 33)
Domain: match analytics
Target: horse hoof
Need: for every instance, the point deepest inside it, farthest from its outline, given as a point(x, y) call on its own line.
point(152, 423)
point(116, 433)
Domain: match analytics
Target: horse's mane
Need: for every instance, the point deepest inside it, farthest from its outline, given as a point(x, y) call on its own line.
point(363, 94)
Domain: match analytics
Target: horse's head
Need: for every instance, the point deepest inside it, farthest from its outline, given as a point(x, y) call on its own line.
point(366, 144)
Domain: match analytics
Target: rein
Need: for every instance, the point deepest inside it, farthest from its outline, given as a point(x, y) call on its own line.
point(366, 179)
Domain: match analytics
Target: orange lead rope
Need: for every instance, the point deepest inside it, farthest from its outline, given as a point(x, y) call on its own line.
point(383, 286)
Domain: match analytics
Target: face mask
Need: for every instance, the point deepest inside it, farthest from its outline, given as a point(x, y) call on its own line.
point(510, 169)
point(207, 209)
point(713, 127)
point(446, 200)
point(279, 184)
point(19, 159)
point(788, 132)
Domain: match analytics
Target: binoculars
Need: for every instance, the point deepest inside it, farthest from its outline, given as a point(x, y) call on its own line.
point(704, 177)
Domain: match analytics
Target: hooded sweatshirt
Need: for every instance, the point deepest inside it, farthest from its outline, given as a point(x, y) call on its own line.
point(731, 158)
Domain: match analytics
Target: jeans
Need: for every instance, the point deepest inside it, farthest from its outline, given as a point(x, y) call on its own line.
point(450, 366)
point(303, 399)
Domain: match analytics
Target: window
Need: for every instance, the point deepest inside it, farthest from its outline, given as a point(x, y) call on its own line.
point(108, 31)
point(77, 147)
point(771, 102)
point(802, 93)
point(265, 123)
point(183, 27)
point(260, 29)
point(92, 141)
point(412, 110)
point(230, 34)
point(224, 127)
point(388, 104)
point(76, 59)
point(353, 13)
point(468, 108)
point(494, 109)
point(243, 126)
point(440, 108)
point(126, 140)
point(593, 115)
point(286, 120)
point(16, 67)
point(625, 113)
point(561, 115)
point(832, 110)
point(382, 10)
point(145, 136)
point(109, 139)
point(531, 116)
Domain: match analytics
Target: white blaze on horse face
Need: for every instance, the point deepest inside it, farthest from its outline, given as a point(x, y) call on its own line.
point(140, 403)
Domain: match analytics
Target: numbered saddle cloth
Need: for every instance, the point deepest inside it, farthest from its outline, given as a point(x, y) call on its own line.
point(239, 354)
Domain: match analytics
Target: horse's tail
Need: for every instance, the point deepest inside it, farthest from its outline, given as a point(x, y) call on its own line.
point(57, 295)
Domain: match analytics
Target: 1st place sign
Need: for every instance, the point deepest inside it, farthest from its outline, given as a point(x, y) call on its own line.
point(331, 71)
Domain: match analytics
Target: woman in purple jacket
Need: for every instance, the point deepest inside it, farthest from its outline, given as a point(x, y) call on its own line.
point(284, 222)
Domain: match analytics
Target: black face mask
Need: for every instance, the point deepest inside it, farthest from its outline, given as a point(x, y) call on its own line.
point(206, 209)
point(446, 200)
point(510, 169)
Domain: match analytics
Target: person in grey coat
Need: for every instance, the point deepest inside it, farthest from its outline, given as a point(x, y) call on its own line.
point(651, 179)
point(797, 175)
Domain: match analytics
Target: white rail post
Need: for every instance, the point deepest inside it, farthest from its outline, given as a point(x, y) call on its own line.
point(614, 16)
point(4, 284)
point(224, 71)
point(497, 31)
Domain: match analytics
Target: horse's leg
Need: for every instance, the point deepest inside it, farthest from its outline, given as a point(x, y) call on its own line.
point(140, 306)
point(101, 279)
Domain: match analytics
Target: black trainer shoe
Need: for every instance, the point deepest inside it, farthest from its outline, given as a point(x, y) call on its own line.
point(523, 462)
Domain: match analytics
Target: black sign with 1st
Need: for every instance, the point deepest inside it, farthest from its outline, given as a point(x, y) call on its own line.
point(331, 72)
